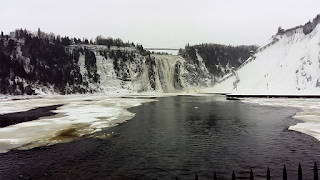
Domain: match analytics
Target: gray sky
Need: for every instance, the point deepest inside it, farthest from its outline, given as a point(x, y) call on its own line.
point(160, 23)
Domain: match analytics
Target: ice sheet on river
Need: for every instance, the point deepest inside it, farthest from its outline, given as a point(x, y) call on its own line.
point(78, 116)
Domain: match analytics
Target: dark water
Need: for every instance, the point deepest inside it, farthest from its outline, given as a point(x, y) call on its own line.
point(183, 136)
point(30, 115)
point(178, 137)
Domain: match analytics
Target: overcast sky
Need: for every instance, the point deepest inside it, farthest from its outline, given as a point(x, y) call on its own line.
point(160, 23)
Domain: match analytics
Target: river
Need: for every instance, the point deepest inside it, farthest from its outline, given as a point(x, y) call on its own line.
point(179, 136)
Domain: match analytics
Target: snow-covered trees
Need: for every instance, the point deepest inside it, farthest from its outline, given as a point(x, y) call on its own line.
point(91, 65)
point(280, 30)
point(36, 60)
point(216, 55)
point(100, 40)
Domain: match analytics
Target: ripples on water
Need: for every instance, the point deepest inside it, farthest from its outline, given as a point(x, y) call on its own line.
point(184, 135)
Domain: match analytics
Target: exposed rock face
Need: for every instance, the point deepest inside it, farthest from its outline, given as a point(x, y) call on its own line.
point(308, 27)
point(176, 76)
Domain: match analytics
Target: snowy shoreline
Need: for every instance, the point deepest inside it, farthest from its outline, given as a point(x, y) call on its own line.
point(79, 116)
point(309, 113)
point(86, 114)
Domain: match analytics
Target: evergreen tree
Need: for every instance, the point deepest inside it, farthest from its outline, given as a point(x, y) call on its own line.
point(58, 40)
point(280, 30)
point(75, 41)
point(86, 41)
point(39, 33)
point(65, 41)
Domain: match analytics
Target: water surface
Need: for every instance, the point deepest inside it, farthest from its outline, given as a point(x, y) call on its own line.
point(184, 135)
point(178, 137)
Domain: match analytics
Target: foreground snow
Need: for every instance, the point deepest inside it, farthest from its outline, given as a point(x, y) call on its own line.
point(78, 116)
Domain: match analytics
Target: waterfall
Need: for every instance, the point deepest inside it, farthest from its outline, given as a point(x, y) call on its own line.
point(161, 73)
point(168, 72)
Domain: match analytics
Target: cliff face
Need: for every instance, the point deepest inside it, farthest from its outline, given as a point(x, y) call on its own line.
point(33, 65)
point(218, 59)
point(308, 27)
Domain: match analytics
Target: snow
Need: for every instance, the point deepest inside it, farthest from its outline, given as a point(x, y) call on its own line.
point(310, 114)
point(170, 52)
point(84, 114)
point(106, 71)
point(103, 47)
point(136, 71)
point(81, 63)
point(79, 115)
point(288, 65)
point(202, 64)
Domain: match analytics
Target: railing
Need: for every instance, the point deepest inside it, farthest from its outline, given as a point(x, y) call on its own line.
point(268, 177)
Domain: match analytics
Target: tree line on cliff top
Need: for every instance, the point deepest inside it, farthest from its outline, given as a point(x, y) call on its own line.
point(44, 58)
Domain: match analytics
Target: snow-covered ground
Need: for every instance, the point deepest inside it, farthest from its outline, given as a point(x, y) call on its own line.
point(310, 114)
point(290, 64)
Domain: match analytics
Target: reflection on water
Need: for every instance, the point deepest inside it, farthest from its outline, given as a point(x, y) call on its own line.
point(183, 136)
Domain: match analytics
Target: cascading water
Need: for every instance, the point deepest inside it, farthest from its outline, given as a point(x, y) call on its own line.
point(168, 72)
point(161, 73)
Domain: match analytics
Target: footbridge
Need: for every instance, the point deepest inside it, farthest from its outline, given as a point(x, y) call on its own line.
point(151, 49)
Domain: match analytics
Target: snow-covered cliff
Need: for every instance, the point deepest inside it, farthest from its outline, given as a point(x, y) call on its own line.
point(32, 65)
point(290, 64)
point(160, 73)
point(41, 63)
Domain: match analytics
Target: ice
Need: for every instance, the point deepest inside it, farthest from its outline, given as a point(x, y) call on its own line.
point(310, 112)
point(78, 116)
point(81, 115)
